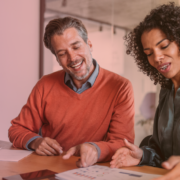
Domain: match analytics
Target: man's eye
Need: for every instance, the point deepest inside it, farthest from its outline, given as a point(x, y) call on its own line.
point(76, 47)
point(61, 55)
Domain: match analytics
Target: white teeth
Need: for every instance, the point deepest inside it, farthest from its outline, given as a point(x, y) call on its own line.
point(164, 67)
point(76, 65)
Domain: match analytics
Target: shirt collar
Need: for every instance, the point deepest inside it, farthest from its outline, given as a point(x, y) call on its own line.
point(91, 79)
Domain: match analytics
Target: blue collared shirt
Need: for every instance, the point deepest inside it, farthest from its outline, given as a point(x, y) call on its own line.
point(89, 83)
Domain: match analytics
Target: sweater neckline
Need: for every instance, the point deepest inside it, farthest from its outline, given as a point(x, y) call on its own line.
point(86, 92)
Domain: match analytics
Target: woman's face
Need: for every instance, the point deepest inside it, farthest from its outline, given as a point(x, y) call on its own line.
point(161, 53)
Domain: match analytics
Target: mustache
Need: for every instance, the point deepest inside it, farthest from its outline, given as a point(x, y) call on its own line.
point(75, 62)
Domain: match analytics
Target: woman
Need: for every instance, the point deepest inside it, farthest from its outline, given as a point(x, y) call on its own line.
point(155, 45)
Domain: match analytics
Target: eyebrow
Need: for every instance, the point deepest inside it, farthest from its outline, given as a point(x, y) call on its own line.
point(156, 44)
point(74, 43)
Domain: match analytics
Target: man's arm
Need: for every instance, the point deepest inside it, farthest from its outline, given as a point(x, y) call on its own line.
point(24, 132)
point(27, 125)
point(122, 124)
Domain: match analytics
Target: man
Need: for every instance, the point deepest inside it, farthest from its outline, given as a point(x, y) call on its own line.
point(82, 109)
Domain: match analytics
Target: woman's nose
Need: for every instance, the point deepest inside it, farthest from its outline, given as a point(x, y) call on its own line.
point(158, 56)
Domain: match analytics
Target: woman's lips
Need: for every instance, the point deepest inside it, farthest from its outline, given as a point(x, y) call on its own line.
point(164, 68)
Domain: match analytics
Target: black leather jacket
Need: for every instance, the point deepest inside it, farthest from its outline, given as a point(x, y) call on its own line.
point(165, 140)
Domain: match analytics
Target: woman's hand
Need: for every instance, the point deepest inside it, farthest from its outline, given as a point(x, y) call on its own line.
point(173, 164)
point(130, 155)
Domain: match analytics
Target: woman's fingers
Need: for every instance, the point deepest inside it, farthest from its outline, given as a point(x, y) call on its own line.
point(171, 162)
point(119, 157)
point(120, 152)
point(174, 174)
point(132, 147)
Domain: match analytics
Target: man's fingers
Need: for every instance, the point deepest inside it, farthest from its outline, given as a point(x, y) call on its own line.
point(47, 148)
point(70, 152)
point(55, 145)
point(84, 159)
point(87, 152)
point(39, 152)
point(89, 155)
point(50, 150)
point(79, 164)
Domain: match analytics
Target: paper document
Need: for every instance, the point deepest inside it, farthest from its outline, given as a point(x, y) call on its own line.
point(13, 155)
point(103, 173)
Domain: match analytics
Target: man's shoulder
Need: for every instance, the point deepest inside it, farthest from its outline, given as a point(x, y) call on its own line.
point(53, 76)
point(51, 79)
point(111, 76)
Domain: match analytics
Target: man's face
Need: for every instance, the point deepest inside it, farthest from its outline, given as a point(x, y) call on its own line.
point(73, 54)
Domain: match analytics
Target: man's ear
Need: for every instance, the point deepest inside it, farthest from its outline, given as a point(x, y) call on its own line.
point(90, 45)
point(58, 60)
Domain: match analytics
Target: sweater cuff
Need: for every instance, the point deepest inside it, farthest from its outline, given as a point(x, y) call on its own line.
point(97, 147)
point(146, 157)
point(32, 139)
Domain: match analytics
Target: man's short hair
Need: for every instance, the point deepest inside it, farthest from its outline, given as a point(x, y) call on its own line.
point(58, 26)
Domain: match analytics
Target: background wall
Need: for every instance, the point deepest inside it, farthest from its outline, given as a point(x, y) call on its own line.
point(19, 57)
point(19, 54)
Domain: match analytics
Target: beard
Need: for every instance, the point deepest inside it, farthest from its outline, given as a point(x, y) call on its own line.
point(88, 67)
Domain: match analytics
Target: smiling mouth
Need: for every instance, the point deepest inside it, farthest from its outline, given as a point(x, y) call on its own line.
point(164, 67)
point(76, 66)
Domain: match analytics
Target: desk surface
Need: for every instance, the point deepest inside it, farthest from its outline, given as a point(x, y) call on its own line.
point(35, 162)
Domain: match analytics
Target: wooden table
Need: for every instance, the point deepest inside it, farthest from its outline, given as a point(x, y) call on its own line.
point(35, 162)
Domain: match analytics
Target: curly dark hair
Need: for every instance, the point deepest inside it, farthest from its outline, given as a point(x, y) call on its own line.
point(167, 19)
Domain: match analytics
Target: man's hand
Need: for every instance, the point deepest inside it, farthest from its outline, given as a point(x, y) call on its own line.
point(46, 146)
point(173, 164)
point(126, 156)
point(86, 151)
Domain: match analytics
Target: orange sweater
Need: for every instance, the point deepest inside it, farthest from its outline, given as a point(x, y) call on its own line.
point(103, 114)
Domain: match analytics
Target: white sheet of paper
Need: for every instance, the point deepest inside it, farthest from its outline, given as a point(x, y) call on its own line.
point(13, 155)
point(103, 173)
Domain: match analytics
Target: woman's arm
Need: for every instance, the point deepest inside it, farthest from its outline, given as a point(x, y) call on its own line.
point(131, 155)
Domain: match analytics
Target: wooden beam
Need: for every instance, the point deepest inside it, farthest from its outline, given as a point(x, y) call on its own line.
point(41, 30)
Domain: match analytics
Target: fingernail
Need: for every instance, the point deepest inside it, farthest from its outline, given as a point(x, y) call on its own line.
point(65, 156)
point(61, 151)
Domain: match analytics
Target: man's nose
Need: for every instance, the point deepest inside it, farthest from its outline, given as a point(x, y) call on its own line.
point(71, 56)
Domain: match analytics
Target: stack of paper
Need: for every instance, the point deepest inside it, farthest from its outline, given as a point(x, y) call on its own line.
point(103, 173)
point(13, 155)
